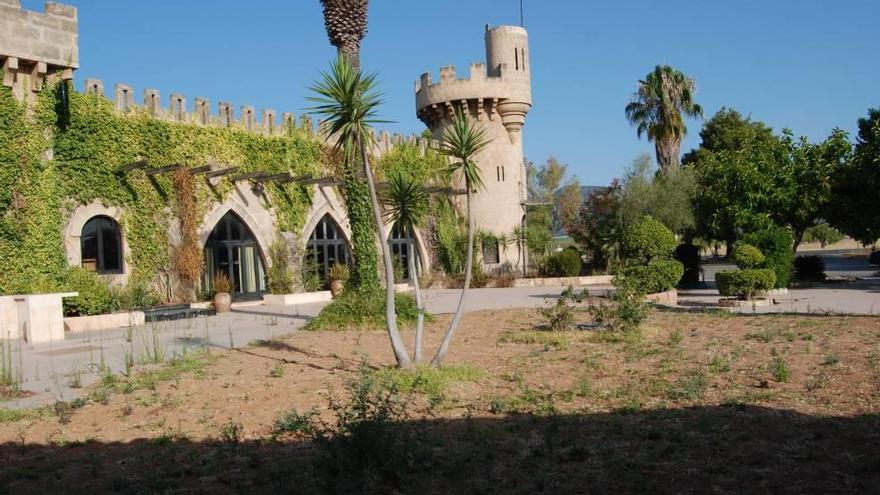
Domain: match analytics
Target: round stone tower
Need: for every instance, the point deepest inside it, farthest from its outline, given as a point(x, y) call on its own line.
point(498, 96)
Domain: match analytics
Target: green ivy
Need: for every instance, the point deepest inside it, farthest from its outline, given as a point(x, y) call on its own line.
point(67, 151)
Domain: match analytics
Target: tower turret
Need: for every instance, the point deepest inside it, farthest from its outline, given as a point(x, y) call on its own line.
point(498, 95)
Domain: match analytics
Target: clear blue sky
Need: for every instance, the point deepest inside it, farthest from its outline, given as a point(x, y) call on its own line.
point(810, 65)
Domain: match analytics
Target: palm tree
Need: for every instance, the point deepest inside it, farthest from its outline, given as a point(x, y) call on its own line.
point(657, 108)
point(462, 142)
point(347, 100)
point(346, 25)
point(406, 204)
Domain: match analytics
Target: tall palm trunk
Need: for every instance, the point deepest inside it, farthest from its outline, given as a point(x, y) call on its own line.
point(397, 344)
point(468, 267)
point(420, 308)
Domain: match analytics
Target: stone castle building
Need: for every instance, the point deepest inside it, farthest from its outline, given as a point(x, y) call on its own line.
point(236, 231)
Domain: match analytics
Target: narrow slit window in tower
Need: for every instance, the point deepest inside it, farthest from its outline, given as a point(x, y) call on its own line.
point(516, 57)
point(523, 51)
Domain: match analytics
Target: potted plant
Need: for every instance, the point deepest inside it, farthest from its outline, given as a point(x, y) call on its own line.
point(338, 276)
point(222, 293)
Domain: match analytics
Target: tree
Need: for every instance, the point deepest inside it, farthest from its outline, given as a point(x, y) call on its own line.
point(346, 25)
point(656, 110)
point(348, 102)
point(543, 219)
point(599, 227)
point(665, 197)
point(406, 204)
point(822, 233)
point(804, 179)
point(461, 142)
point(855, 185)
point(729, 130)
point(568, 202)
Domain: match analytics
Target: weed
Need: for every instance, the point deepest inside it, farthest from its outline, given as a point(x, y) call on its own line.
point(550, 340)
point(719, 364)
point(560, 314)
point(431, 382)
point(14, 415)
point(277, 371)
point(230, 433)
point(831, 359)
point(675, 338)
point(296, 423)
point(690, 386)
point(780, 371)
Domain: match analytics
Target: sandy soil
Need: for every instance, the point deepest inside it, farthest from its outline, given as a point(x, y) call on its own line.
point(812, 367)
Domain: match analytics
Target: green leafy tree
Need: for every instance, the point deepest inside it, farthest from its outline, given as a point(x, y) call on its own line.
point(804, 179)
point(406, 204)
point(855, 186)
point(666, 197)
point(462, 142)
point(658, 108)
point(348, 102)
point(823, 234)
point(729, 130)
point(599, 226)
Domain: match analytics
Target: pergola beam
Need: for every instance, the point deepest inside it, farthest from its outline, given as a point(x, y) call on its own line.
point(168, 168)
point(222, 172)
point(142, 163)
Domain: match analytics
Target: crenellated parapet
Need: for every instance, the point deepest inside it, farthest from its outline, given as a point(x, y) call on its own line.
point(500, 88)
point(37, 45)
point(178, 108)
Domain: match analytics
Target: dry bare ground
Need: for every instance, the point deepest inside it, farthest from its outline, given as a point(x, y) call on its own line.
point(698, 403)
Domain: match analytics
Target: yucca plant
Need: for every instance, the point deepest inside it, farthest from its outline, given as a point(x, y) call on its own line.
point(406, 204)
point(462, 142)
point(656, 110)
point(347, 101)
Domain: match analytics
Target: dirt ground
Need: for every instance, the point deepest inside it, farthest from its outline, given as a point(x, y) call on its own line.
point(698, 403)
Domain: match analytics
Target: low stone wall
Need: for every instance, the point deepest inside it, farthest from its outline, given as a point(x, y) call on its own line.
point(669, 298)
point(563, 281)
point(292, 299)
point(103, 322)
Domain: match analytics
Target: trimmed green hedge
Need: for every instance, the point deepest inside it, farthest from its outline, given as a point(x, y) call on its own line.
point(745, 283)
point(776, 244)
point(747, 256)
point(564, 264)
point(656, 276)
point(647, 239)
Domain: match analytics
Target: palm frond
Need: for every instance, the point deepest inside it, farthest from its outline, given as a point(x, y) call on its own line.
point(462, 141)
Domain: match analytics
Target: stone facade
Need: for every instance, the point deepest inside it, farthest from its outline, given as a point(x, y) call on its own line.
point(36, 45)
point(498, 95)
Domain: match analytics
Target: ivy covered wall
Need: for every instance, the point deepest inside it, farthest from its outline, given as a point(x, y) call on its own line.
point(66, 152)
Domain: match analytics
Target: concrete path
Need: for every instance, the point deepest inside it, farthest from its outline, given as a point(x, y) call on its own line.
point(58, 372)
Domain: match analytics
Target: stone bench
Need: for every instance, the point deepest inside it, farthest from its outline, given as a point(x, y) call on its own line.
point(39, 318)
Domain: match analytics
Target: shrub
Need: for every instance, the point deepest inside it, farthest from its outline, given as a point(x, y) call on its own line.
point(647, 238)
point(94, 295)
point(776, 244)
point(745, 283)
point(874, 258)
point(689, 256)
point(279, 275)
point(340, 271)
point(566, 263)
point(222, 283)
point(560, 314)
point(363, 308)
point(656, 276)
point(809, 268)
point(747, 256)
point(136, 294)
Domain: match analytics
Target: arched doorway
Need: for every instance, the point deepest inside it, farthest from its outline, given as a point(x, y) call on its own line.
point(232, 249)
point(327, 246)
point(403, 245)
point(101, 245)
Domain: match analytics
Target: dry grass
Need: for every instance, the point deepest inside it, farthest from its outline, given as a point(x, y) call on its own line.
point(700, 399)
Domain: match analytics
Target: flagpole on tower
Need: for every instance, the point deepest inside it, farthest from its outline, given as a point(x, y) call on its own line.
point(521, 23)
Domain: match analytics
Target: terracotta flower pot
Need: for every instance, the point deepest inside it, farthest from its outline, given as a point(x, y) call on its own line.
point(335, 288)
point(222, 302)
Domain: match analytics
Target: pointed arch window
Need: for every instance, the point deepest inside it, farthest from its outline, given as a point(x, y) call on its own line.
point(101, 245)
point(327, 246)
point(403, 246)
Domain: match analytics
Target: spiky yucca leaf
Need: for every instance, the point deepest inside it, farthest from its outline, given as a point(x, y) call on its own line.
point(462, 141)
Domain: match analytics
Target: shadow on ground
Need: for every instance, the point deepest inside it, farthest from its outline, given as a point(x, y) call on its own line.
point(720, 449)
